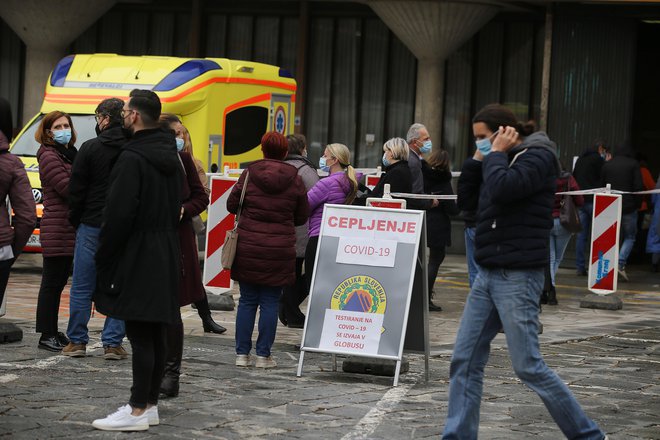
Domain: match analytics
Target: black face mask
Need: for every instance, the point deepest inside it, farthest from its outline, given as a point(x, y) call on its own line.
point(97, 129)
point(127, 132)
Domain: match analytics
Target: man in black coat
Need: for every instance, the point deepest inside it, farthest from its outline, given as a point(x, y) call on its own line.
point(90, 177)
point(622, 173)
point(138, 260)
point(587, 174)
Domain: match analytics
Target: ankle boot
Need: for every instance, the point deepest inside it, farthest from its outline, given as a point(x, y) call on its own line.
point(544, 297)
point(552, 297)
point(169, 386)
point(210, 326)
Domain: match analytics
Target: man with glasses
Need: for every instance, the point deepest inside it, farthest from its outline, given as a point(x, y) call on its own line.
point(88, 185)
point(138, 260)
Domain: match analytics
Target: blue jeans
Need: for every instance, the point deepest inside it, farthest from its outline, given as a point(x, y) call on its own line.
point(82, 288)
point(559, 238)
point(628, 234)
point(509, 299)
point(584, 236)
point(267, 298)
point(473, 267)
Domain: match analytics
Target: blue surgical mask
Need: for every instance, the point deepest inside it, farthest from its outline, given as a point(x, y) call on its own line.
point(386, 162)
point(426, 147)
point(62, 137)
point(323, 166)
point(484, 146)
point(179, 144)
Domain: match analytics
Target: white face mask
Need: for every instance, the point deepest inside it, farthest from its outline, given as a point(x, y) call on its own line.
point(179, 144)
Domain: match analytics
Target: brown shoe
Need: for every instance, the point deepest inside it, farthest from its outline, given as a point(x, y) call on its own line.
point(115, 353)
point(75, 350)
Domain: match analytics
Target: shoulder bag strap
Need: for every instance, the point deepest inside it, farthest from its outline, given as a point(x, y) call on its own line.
point(240, 203)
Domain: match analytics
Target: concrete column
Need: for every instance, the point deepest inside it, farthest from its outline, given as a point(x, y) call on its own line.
point(432, 30)
point(47, 28)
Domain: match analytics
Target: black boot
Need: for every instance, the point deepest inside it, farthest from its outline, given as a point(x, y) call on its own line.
point(552, 297)
point(210, 326)
point(544, 297)
point(204, 312)
point(169, 386)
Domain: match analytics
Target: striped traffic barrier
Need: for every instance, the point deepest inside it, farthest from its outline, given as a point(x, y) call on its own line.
point(219, 222)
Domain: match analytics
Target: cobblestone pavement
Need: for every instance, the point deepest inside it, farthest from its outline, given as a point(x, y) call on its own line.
point(610, 359)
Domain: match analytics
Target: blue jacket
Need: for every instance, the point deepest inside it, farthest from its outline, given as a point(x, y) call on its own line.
point(653, 239)
point(515, 205)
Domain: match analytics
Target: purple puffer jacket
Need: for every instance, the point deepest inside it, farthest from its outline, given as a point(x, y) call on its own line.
point(57, 235)
point(332, 189)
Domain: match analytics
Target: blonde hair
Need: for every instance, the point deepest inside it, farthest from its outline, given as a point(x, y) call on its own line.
point(398, 147)
point(187, 143)
point(343, 156)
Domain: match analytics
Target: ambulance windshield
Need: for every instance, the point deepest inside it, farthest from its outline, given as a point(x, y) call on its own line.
point(26, 145)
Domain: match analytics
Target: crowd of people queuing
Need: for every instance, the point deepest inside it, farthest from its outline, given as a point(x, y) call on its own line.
point(120, 215)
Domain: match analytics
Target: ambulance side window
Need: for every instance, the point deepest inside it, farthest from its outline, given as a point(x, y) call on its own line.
point(244, 128)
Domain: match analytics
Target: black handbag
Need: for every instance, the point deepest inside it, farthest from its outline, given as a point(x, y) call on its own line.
point(568, 212)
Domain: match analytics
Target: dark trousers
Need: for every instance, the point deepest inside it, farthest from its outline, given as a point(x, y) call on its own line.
point(293, 296)
point(5, 268)
point(310, 257)
point(55, 274)
point(436, 257)
point(149, 344)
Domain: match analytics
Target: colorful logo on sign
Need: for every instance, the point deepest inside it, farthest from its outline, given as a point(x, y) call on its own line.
point(280, 120)
point(359, 293)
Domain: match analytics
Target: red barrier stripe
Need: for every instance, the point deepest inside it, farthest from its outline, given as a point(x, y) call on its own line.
point(223, 279)
point(219, 188)
point(218, 233)
point(605, 283)
point(604, 242)
point(602, 202)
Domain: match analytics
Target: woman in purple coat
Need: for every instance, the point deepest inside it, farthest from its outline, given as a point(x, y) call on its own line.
point(55, 156)
point(275, 203)
point(340, 187)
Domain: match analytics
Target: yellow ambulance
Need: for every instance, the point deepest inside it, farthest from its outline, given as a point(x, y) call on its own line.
point(227, 105)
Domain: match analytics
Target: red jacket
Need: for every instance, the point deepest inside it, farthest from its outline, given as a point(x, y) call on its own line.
point(57, 235)
point(566, 182)
point(15, 184)
point(275, 202)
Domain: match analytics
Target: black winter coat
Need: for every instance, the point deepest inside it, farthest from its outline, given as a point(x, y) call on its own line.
point(623, 173)
point(90, 177)
point(515, 205)
point(398, 175)
point(438, 222)
point(138, 259)
point(587, 171)
point(468, 188)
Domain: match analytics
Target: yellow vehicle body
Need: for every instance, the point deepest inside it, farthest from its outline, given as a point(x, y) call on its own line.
point(226, 105)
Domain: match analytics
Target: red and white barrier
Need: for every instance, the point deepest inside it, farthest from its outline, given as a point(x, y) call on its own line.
point(219, 222)
point(603, 274)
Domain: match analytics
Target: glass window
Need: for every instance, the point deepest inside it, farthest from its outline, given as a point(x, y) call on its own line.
point(244, 128)
point(26, 145)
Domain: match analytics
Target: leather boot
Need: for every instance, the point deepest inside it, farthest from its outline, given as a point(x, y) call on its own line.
point(552, 297)
point(169, 386)
point(210, 326)
point(544, 297)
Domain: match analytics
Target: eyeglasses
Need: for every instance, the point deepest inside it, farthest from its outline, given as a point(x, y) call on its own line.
point(126, 112)
point(99, 117)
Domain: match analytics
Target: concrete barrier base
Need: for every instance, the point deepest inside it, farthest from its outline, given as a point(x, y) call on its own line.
point(376, 367)
point(602, 302)
point(10, 332)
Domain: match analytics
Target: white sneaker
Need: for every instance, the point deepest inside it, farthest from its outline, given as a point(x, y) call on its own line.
point(265, 362)
point(123, 420)
point(152, 415)
point(623, 274)
point(243, 360)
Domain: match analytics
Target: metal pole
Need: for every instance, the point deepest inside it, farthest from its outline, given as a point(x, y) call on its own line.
point(545, 76)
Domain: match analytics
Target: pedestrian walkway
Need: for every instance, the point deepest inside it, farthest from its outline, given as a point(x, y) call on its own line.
point(610, 359)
